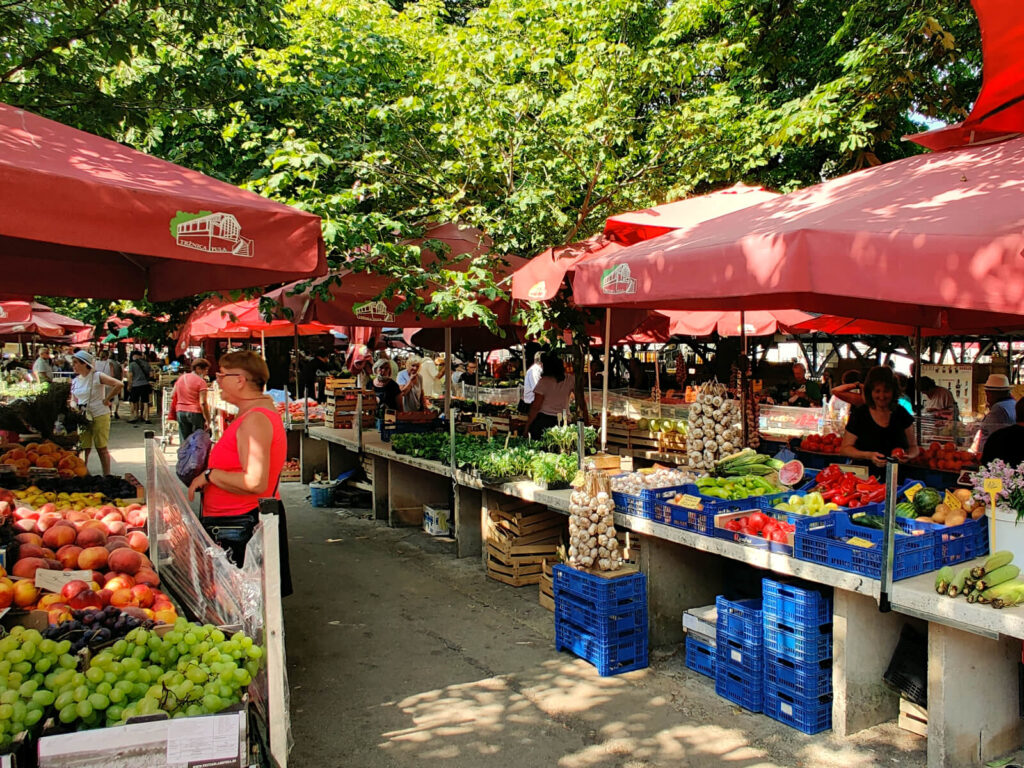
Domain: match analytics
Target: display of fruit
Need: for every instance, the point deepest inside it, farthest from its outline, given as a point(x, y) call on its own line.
point(734, 488)
point(829, 443)
point(762, 525)
point(947, 514)
point(715, 429)
point(91, 628)
point(115, 520)
point(45, 455)
point(110, 487)
point(810, 505)
point(946, 457)
point(592, 535)
point(632, 483)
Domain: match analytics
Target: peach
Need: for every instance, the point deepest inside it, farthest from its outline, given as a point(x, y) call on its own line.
point(49, 508)
point(68, 556)
point(58, 613)
point(147, 576)
point(134, 610)
point(30, 550)
point(116, 529)
point(143, 595)
point(58, 535)
point(25, 593)
point(104, 596)
point(120, 581)
point(93, 558)
point(27, 568)
point(29, 538)
point(26, 526)
point(122, 598)
point(85, 599)
point(91, 537)
point(50, 598)
point(72, 588)
point(167, 615)
point(116, 542)
point(76, 515)
point(25, 513)
point(99, 525)
point(6, 593)
point(126, 560)
point(49, 519)
point(138, 541)
point(112, 517)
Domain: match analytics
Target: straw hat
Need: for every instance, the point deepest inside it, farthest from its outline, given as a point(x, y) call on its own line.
point(997, 381)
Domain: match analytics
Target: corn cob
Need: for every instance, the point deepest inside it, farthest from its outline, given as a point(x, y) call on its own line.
point(943, 578)
point(998, 576)
point(968, 585)
point(973, 596)
point(995, 560)
point(956, 586)
point(1004, 589)
point(1010, 597)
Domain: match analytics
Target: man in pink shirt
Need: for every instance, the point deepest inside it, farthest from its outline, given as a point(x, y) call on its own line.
point(190, 405)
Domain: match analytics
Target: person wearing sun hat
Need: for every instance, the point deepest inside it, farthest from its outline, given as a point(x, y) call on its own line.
point(1001, 406)
point(91, 393)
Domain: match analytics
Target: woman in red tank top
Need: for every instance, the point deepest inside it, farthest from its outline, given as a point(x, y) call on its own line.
point(246, 463)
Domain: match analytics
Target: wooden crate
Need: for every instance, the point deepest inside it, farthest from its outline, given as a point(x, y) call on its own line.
point(519, 537)
point(913, 718)
point(546, 594)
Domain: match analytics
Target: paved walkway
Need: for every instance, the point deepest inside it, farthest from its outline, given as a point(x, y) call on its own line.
point(400, 655)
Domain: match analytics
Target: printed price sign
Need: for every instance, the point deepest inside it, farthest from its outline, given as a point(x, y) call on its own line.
point(953, 502)
point(993, 485)
point(688, 501)
point(912, 491)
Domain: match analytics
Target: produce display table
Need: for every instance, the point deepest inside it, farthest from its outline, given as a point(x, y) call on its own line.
point(974, 649)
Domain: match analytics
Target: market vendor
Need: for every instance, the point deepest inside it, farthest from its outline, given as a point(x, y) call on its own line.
point(92, 392)
point(410, 385)
point(938, 400)
point(881, 427)
point(1007, 443)
point(550, 396)
point(1002, 408)
point(469, 378)
point(384, 387)
point(849, 393)
point(803, 393)
point(530, 382)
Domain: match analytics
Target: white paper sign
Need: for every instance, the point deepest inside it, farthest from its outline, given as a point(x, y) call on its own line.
point(54, 581)
point(958, 379)
point(205, 739)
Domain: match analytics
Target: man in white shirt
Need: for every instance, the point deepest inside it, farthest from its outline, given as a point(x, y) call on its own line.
point(41, 368)
point(530, 382)
point(431, 378)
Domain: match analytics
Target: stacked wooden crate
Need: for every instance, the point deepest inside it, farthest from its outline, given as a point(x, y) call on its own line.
point(520, 536)
point(342, 401)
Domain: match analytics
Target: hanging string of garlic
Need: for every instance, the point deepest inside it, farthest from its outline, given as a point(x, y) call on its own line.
point(592, 535)
point(715, 428)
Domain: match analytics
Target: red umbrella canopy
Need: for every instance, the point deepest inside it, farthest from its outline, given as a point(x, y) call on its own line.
point(15, 311)
point(929, 240)
point(540, 278)
point(999, 108)
point(636, 226)
point(224, 319)
point(353, 298)
point(47, 315)
point(87, 217)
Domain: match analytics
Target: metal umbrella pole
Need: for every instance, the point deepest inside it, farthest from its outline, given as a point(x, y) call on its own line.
point(449, 369)
point(604, 378)
point(917, 382)
point(744, 428)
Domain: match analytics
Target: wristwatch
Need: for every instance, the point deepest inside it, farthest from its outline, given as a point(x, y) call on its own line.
point(206, 474)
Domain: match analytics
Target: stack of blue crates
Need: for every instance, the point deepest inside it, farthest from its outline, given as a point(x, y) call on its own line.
point(798, 656)
point(602, 620)
point(739, 653)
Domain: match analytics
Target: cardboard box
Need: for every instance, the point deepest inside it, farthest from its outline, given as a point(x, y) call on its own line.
point(436, 521)
point(702, 621)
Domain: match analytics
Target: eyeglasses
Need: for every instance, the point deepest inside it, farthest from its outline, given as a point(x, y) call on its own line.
point(225, 375)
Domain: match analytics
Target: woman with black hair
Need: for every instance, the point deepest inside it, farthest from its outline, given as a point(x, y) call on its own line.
point(550, 396)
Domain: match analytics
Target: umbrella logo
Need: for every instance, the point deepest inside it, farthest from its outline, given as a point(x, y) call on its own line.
point(375, 311)
point(3, 312)
point(211, 232)
point(617, 279)
point(538, 290)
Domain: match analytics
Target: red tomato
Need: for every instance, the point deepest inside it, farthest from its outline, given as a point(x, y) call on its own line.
point(779, 536)
point(899, 453)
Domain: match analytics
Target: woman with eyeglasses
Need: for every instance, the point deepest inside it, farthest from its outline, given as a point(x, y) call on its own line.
point(245, 464)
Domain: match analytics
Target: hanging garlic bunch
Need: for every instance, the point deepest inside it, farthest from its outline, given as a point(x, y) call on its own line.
point(592, 542)
point(715, 428)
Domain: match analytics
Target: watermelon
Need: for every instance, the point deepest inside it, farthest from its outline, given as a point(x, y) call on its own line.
point(906, 509)
point(926, 500)
point(791, 473)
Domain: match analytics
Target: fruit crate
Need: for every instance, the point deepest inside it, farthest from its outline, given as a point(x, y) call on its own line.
point(961, 542)
point(795, 605)
point(750, 539)
point(799, 679)
point(700, 657)
point(809, 716)
point(797, 644)
point(728, 650)
point(820, 540)
point(631, 617)
point(740, 685)
point(607, 594)
point(611, 655)
point(740, 620)
point(644, 504)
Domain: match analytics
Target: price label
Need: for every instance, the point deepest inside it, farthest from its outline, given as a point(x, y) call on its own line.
point(993, 485)
point(911, 492)
point(688, 501)
point(858, 470)
point(953, 502)
point(54, 581)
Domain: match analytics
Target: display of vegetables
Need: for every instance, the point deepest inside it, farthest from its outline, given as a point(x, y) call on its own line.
point(829, 443)
point(554, 469)
point(747, 462)
point(715, 429)
point(760, 524)
point(846, 489)
point(811, 505)
point(946, 457)
point(631, 483)
point(733, 488)
point(930, 506)
point(564, 439)
point(592, 535)
point(994, 582)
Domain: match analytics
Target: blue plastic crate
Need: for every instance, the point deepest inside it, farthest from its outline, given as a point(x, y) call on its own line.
point(644, 504)
point(700, 657)
point(753, 540)
point(798, 678)
point(611, 656)
point(606, 594)
point(961, 542)
point(812, 715)
point(630, 617)
point(791, 643)
point(700, 521)
point(791, 604)
point(739, 685)
point(729, 650)
point(740, 620)
point(820, 540)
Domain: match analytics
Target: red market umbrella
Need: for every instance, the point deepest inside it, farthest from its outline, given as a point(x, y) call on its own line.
point(353, 298)
point(636, 226)
point(999, 108)
point(933, 240)
point(84, 216)
point(33, 327)
point(15, 311)
point(47, 315)
point(541, 277)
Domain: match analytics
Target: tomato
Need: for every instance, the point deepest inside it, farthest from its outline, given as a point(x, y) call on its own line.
point(899, 453)
point(732, 525)
point(779, 536)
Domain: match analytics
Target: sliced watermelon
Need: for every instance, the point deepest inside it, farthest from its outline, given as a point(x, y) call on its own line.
point(792, 472)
